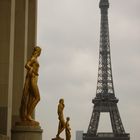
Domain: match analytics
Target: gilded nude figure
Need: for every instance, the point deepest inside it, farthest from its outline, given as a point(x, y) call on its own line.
point(31, 95)
point(61, 125)
point(67, 129)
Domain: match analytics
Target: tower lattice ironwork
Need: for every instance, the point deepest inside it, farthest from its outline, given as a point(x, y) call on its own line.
point(105, 100)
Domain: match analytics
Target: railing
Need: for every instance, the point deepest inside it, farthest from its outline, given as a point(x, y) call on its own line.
point(112, 135)
point(105, 134)
point(109, 135)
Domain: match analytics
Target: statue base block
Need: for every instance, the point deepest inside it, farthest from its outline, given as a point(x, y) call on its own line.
point(57, 138)
point(27, 133)
point(27, 123)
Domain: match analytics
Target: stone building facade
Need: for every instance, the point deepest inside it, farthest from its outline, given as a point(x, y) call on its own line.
point(17, 38)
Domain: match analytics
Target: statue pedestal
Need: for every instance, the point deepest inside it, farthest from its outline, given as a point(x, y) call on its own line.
point(57, 138)
point(27, 133)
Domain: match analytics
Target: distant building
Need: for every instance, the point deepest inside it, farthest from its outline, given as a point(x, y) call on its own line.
point(79, 135)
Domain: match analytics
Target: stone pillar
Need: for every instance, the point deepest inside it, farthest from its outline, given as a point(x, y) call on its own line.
point(32, 25)
point(17, 38)
point(20, 49)
point(25, 40)
point(7, 11)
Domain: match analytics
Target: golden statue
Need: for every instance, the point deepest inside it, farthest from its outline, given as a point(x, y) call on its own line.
point(61, 125)
point(31, 95)
point(67, 129)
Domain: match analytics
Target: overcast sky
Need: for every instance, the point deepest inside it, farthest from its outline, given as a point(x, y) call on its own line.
point(68, 33)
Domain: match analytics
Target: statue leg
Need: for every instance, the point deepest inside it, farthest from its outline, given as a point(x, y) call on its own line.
point(61, 127)
point(24, 99)
point(34, 98)
point(30, 100)
point(68, 135)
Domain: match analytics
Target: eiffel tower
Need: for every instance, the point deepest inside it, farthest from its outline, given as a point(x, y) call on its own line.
point(105, 100)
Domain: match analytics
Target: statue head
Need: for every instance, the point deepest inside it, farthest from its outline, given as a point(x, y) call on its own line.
point(37, 51)
point(68, 118)
point(61, 101)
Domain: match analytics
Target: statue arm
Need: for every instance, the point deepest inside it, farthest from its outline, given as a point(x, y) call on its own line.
point(29, 63)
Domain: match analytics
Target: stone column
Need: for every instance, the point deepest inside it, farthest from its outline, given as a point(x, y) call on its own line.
point(20, 54)
point(7, 11)
point(25, 40)
point(17, 38)
point(32, 25)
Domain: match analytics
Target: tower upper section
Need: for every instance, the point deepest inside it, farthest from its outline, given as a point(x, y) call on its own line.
point(104, 4)
point(105, 79)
